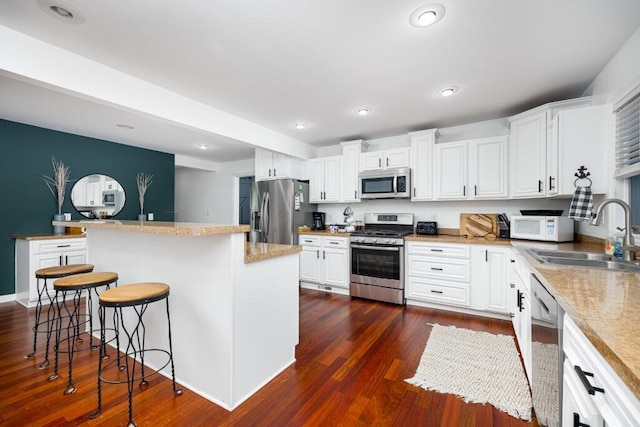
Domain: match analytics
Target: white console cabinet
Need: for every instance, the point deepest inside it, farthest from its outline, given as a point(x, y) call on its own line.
point(32, 255)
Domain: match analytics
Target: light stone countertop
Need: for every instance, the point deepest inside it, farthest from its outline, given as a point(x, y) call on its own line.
point(254, 252)
point(29, 237)
point(158, 227)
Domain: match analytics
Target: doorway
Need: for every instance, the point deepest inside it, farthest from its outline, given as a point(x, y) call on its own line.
point(244, 199)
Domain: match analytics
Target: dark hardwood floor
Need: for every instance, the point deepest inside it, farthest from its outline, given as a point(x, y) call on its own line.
point(352, 360)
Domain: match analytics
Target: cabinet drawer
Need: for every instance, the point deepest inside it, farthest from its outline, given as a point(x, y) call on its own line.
point(438, 249)
point(60, 245)
point(617, 404)
point(306, 240)
point(439, 268)
point(439, 292)
point(336, 242)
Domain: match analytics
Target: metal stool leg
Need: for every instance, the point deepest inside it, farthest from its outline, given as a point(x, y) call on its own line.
point(176, 391)
point(103, 356)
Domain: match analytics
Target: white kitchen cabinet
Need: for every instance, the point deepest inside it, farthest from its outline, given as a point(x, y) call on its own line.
point(272, 165)
point(324, 180)
point(387, 159)
point(324, 263)
point(488, 168)
point(473, 169)
point(451, 171)
point(609, 399)
point(422, 148)
point(528, 150)
point(577, 138)
point(438, 273)
point(490, 284)
point(520, 307)
point(32, 255)
point(350, 169)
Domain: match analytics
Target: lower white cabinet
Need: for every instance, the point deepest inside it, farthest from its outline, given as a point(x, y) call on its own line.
point(520, 307)
point(32, 255)
point(438, 273)
point(324, 262)
point(490, 266)
point(593, 393)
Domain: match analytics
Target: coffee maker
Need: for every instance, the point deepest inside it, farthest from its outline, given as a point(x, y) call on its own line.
point(318, 221)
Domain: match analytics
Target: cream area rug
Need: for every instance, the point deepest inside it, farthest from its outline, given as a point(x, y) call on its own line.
point(477, 366)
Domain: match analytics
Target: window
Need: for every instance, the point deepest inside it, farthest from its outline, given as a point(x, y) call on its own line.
point(627, 116)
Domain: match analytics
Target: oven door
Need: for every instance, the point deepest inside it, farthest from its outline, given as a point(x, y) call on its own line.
point(377, 265)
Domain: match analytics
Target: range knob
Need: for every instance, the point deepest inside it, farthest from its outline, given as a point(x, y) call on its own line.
point(388, 241)
point(374, 240)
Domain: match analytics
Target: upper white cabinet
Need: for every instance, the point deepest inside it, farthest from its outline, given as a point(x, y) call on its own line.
point(387, 159)
point(451, 171)
point(528, 155)
point(324, 179)
point(422, 147)
point(474, 169)
point(577, 138)
point(351, 152)
point(272, 165)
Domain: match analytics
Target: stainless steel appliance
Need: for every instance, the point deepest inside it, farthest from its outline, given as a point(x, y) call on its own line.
point(385, 184)
point(377, 257)
point(545, 228)
point(546, 355)
point(278, 208)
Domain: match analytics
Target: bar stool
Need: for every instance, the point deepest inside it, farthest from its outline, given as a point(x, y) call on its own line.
point(76, 284)
point(138, 296)
point(46, 274)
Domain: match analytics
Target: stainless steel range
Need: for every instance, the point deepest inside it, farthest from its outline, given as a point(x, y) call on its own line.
point(377, 257)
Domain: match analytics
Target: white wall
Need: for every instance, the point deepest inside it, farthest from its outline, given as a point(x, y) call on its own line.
point(210, 197)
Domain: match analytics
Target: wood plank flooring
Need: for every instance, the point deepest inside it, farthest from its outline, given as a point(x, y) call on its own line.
point(352, 360)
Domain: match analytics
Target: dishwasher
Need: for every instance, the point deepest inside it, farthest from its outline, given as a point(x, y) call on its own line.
point(546, 355)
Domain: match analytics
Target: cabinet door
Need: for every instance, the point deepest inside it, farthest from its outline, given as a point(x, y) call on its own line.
point(527, 165)
point(577, 408)
point(281, 165)
point(422, 167)
point(488, 168)
point(79, 257)
point(336, 267)
point(349, 172)
point(398, 158)
point(43, 261)
point(332, 179)
point(316, 180)
point(451, 171)
point(371, 161)
point(264, 164)
point(496, 279)
point(310, 264)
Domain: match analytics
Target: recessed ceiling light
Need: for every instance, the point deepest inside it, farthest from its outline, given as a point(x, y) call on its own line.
point(61, 12)
point(448, 91)
point(202, 146)
point(124, 126)
point(427, 15)
point(300, 125)
point(363, 111)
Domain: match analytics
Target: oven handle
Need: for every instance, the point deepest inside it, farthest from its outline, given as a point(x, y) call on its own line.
point(378, 248)
point(395, 183)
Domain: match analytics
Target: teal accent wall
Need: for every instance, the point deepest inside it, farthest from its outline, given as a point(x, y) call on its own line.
point(27, 204)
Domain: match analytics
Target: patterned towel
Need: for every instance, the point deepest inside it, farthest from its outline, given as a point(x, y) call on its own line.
point(581, 204)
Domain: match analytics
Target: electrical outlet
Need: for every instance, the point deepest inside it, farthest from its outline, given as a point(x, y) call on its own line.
point(150, 216)
point(434, 217)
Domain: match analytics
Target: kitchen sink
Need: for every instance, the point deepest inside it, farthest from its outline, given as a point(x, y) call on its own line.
point(584, 259)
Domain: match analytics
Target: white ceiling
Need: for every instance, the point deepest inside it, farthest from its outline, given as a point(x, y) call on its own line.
point(275, 63)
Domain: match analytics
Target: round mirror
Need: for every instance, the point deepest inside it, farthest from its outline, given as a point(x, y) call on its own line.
point(98, 196)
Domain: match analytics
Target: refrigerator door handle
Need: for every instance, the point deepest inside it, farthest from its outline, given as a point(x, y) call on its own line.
point(265, 215)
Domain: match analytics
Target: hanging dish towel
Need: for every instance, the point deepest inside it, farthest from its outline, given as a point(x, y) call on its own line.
point(581, 204)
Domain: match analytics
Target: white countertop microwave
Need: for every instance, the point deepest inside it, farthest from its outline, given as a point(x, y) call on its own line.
point(543, 228)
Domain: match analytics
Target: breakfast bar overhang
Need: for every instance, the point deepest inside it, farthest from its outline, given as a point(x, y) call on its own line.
point(234, 305)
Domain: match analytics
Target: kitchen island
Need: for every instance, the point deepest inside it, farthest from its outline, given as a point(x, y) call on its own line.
point(234, 305)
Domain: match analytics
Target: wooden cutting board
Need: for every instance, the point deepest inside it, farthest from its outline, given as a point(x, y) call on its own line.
point(479, 225)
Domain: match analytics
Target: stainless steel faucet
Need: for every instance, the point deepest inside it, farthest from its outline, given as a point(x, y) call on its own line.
point(628, 244)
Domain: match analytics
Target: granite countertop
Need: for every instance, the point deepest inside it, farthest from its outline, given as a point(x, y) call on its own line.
point(604, 304)
point(158, 227)
point(324, 233)
point(456, 238)
point(254, 252)
point(47, 236)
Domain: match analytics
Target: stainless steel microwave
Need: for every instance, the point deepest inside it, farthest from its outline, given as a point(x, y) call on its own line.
point(385, 184)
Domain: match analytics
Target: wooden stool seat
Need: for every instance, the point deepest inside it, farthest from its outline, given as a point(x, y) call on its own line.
point(63, 270)
point(134, 293)
point(84, 280)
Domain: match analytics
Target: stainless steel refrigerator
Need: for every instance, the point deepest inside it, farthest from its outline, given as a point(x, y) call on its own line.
point(278, 208)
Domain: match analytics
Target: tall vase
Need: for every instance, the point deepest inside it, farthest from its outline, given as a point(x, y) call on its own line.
point(142, 217)
point(58, 229)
